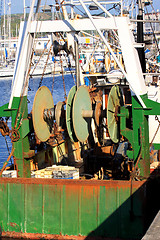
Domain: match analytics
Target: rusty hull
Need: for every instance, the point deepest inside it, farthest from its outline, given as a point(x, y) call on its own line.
point(74, 209)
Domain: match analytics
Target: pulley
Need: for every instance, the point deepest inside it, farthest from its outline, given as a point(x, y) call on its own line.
point(58, 47)
point(69, 107)
point(43, 113)
point(82, 113)
point(115, 100)
point(79, 113)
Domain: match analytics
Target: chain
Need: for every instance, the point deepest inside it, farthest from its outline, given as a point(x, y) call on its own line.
point(40, 58)
point(64, 87)
point(14, 131)
point(53, 76)
point(21, 99)
point(69, 66)
point(44, 69)
point(14, 135)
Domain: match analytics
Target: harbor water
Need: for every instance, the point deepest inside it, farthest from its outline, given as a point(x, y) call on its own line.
point(56, 85)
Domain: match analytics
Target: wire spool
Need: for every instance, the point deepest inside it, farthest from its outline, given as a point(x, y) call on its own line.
point(69, 121)
point(43, 100)
point(115, 100)
point(82, 113)
point(59, 114)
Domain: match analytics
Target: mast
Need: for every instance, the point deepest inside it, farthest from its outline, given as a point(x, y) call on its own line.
point(140, 35)
point(9, 27)
point(24, 11)
point(4, 25)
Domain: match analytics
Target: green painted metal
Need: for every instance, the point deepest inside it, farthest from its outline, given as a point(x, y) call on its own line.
point(19, 114)
point(26, 127)
point(84, 208)
point(138, 136)
point(33, 208)
point(4, 111)
point(82, 101)
point(15, 221)
point(4, 203)
point(21, 145)
point(69, 107)
point(115, 100)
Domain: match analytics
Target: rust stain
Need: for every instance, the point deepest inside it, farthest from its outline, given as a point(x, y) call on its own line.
point(71, 190)
point(29, 154)
point(50, 236)
point(89, 192)
point(72, 182)
point(12, 224)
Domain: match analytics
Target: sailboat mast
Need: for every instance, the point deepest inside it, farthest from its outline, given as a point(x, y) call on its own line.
point(9, 27)
point(4, 25)
point(24, 11)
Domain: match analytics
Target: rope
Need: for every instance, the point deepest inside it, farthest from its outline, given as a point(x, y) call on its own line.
point(133, 174)
point(14, 135)
point(4, 129)
point(5, 164)
point(7, 147)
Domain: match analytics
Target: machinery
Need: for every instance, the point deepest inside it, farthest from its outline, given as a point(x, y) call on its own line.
point(102, 129)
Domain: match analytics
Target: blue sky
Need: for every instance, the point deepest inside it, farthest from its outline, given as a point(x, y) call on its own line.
point(17, 5)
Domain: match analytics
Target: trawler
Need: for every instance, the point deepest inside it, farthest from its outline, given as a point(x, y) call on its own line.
point(82, 167)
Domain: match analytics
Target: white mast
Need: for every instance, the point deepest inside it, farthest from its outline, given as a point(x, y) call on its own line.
point(9, 26)
point(4, 29)
point(24, 9)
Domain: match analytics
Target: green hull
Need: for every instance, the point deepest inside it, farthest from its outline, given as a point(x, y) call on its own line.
point(59, 209)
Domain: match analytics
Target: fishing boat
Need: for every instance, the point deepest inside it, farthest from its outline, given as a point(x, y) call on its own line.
point(82, 167)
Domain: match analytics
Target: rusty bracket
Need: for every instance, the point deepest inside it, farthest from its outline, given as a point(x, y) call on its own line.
point(29, 154)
